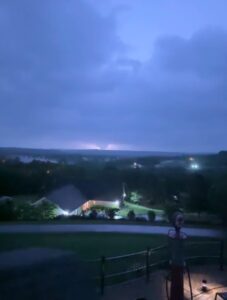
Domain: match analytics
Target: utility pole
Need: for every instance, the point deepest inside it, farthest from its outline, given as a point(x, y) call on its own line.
point(177, 261)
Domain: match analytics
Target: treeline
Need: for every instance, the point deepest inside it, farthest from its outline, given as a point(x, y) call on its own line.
point(196, 191)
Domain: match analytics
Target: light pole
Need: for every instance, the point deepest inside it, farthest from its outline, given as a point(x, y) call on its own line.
point(177, 262)
point(124, 195)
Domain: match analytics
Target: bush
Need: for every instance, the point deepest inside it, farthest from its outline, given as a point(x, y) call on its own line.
point(151, 216)
point(131, 215)
point(25, 211)
point(111, 213)
point(93, 214)
point(45, 211)
point(7, 211)
point(218, 200)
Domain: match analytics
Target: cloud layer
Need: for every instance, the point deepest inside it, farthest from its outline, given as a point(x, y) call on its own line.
point(66, 80)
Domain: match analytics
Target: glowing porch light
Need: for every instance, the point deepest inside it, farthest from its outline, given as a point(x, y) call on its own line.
point(204, 287)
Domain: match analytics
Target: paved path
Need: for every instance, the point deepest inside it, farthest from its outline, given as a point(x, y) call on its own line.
point(156, 290)
point(71, 228)
point(43, 274)
point(28, 257)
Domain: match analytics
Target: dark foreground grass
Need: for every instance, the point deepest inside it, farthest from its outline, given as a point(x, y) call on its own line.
point(86, 245)
point(89, 245)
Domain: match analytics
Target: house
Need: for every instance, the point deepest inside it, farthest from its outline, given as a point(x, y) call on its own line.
point(97, 203)
point(68, 198)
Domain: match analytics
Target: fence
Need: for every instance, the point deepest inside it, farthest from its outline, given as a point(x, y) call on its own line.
point(112, 270)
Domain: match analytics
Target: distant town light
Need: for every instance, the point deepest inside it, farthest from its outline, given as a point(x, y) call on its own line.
point(65, 212)
point(124, 195)
point(194, 166)
point(48, 171)
point(191, 158)
point(136, 165)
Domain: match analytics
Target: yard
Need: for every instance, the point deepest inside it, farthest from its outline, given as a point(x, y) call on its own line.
point(139, 210)
point(86, 245)
point(91, 246)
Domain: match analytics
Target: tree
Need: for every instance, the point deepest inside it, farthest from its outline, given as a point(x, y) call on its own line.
point(25, 211)
point(151, 215)
point(131, 215)
point(111, 213)
point(135, 197)
point(93, 214)
point(170, 208)
point(45, 211)
point(198, 194)
point(218, 199)
point(7, 210)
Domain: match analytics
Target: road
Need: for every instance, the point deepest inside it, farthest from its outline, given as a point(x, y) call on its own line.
point(73, 228)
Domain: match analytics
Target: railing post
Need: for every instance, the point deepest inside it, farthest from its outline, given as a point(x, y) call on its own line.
point(102, 274)
point(148, 264)
point(221, 262)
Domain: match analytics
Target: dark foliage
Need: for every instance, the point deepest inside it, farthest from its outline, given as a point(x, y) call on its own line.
point(131, 215)
point(151, 216)
point(111, 213)
point(93, 214)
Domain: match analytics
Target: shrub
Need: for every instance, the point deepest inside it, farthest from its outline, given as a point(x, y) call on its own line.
point(131, 215)
point(151, 216)
point(93, 214)
point(45, 211)
point(111, 213)
point(7, 211)
point(218, 200)
point(25, 211)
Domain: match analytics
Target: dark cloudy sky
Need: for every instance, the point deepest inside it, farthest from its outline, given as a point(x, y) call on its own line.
point(114, 74)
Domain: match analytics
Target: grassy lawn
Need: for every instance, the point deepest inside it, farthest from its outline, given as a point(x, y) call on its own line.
point(138, 210)
point(86, 245)
point(90, 246)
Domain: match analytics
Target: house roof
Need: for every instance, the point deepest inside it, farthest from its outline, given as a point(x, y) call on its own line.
point(67, 197)
point(5, 198)
point(41, 201)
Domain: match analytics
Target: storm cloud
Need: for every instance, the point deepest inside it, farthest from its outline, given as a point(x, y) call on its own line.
point(67, 80)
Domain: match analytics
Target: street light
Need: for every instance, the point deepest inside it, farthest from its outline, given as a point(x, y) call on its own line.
point(117, 202)
point(124, 195)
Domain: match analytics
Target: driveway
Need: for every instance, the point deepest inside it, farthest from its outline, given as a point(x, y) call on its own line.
point(73, 228)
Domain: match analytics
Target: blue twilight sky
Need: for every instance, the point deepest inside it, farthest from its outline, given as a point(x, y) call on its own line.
point(114, 74)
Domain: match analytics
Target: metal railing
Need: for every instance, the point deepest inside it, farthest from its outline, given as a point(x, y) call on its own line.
point(121, 268)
